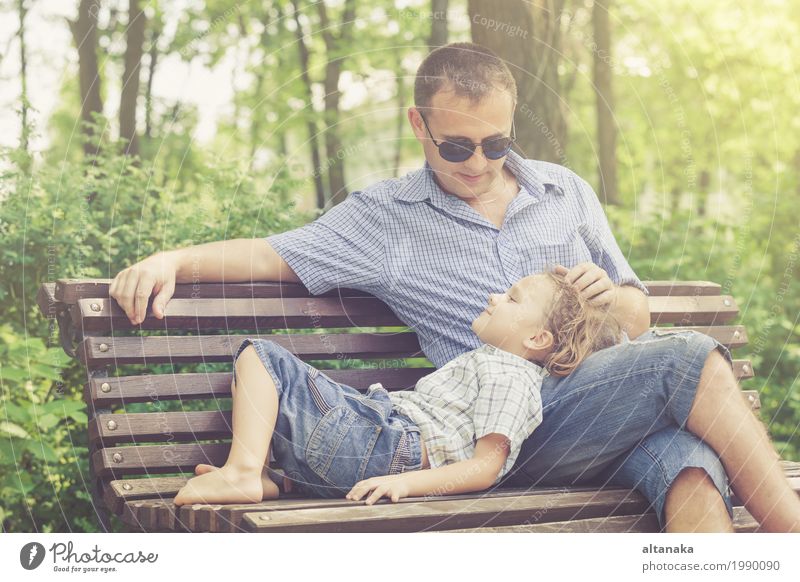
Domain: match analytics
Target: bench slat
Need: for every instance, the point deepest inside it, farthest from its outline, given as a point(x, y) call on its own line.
point(70, 291)
point(743, 522)
point(430, 515)
point(106, 392)
point(141, 427)
point(113, 351)
point(103, 315)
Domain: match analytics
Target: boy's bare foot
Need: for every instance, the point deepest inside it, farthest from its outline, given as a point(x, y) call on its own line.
point(225, 485)
point(269, 488)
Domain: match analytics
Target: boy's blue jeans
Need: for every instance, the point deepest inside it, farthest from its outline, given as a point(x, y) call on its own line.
point(620, 418)
point(328, 436)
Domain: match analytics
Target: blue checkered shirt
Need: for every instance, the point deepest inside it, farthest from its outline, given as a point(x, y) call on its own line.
point(434, 260)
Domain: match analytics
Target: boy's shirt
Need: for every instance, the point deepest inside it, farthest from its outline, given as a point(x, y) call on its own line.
point(486, 390)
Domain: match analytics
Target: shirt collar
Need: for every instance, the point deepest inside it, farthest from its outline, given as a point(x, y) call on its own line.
point(494, 350)
point(420, 184)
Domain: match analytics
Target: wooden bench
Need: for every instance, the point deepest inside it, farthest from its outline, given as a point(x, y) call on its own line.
point(139, 460)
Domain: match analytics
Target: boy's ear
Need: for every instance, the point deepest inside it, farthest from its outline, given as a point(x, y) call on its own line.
point(543, 340)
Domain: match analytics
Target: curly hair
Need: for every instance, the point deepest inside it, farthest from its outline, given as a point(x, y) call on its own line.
point(579, 328)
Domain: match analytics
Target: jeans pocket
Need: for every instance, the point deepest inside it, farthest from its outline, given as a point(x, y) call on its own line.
point(340, 447)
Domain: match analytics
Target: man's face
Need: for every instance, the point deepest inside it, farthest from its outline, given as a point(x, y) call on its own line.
point(456, 118)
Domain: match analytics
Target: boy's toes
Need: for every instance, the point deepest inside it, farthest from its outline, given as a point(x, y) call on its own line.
point(203, 468)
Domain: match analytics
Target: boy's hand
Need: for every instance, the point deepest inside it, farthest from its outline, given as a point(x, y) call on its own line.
point(394, 486)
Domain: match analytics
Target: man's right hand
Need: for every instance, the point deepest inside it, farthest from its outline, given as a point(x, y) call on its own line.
point(132, 287)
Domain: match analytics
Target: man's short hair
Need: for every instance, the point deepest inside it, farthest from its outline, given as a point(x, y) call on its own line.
point(468, 69)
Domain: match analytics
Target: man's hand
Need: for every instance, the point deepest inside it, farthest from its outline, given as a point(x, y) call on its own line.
point(394, 486)
point(592, 281)
point(133, 286)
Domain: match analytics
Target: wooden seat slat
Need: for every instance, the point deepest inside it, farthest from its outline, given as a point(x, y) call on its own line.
point(142, 427)
point(106, 392)
point(69, 291)
point(103, 315)
point(156, 459)
point(743, 522)
point(113, 351)
point(428, 515)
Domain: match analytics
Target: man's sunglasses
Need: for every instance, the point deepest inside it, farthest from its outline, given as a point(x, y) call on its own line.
point(461, 150)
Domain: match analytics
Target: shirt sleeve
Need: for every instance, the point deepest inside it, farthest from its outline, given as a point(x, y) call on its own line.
point(342, 248)
point(509, 404)
point(602, 244)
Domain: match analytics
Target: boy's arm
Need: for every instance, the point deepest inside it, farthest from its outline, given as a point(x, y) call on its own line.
point(475, 474)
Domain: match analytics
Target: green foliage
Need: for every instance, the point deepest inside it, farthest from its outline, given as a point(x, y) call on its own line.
point(82, 220)
point(762, 280)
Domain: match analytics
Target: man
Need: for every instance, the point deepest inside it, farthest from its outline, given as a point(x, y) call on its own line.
point(435, 243)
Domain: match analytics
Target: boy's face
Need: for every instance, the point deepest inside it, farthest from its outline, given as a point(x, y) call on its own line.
point(515, 320)
point(456, 118)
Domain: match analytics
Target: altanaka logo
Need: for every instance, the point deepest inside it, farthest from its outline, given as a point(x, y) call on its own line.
point(31, 555)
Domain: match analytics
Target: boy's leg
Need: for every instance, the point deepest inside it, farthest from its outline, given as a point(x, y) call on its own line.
point(255, 409)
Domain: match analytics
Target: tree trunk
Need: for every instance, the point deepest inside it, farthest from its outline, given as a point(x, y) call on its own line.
point(438, 23)
point(526, 34)
point(311, 124)
point(84, 32)
point(151, 72)
point(23, 74)
point(606, 128)
point(336, 48)
point(130, 78)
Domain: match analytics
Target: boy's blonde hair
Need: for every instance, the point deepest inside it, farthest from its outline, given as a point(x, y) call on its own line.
point(579, 328)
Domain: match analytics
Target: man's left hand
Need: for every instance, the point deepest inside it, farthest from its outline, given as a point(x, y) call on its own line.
point(592, 281)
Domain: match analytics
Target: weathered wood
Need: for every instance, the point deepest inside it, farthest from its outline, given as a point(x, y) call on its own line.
point(103, 315)
point(682, 288)
point(69, 291)
point(697, 310)
point(141, 460)
point(111, 429)
point(429, 515)
point(743, 522)
point(106, 392)
point(46, 300)
point(159, 510)
point(113, 351)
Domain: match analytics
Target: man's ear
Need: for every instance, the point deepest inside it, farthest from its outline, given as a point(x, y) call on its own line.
point(542, 340)
point(415, 120)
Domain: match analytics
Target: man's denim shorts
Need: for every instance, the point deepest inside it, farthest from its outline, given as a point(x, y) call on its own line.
point(620, 419)
point(328, 436)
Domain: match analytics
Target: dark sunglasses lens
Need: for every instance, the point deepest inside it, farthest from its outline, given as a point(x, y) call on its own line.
point(497, 148)
point(455, 152)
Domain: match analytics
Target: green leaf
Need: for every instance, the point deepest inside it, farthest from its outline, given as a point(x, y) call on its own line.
point(14, 430)
point(48, 420)
point(42, 450)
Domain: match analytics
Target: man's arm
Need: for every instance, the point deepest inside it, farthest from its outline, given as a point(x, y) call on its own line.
point(631, 309)
point(233, 261)
point(475, 474)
